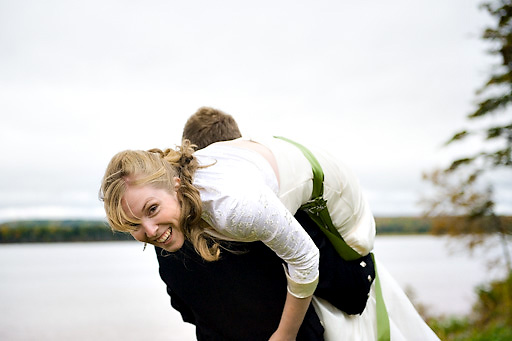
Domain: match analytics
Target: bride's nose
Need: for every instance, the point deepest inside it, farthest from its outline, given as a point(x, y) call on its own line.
point(150, 228)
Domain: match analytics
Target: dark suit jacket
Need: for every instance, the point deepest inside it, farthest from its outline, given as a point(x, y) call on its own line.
point(241, 296)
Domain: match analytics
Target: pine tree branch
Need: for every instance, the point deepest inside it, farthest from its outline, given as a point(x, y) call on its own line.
point(490, 105)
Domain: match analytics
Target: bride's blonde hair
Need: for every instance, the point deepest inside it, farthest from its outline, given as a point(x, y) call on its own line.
point(158, 168)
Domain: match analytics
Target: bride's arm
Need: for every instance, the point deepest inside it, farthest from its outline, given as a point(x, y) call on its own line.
point(293, 314)
point(255, 213)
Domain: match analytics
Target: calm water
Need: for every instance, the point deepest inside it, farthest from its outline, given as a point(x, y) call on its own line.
point(112, 291)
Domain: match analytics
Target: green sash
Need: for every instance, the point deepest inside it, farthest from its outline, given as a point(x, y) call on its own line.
point(316, 208)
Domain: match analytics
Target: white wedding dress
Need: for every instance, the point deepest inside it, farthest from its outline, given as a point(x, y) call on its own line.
point(404, 321)
point(243, 201)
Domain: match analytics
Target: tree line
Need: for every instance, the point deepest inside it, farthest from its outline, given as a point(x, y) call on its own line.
point(41, 231)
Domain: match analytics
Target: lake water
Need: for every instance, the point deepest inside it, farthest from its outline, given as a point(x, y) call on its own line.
point(112, 291)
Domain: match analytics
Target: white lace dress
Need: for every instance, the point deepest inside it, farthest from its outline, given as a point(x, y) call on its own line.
point(239, 194)
point(242, 202)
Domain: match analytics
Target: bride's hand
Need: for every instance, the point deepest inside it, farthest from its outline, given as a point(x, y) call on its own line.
point(279, 336)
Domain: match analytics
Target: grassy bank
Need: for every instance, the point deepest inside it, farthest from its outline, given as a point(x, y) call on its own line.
point(491, 318)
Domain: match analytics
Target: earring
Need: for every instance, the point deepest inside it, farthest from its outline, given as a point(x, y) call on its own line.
point(144, 249)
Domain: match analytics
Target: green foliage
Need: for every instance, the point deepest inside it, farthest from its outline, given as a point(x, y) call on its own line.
point(491, 318)
point(494, 306)
point(495, 97)
point(450, 328)
point(403, 225)
point(498, 86)
point(459, 191)
point(57, 231)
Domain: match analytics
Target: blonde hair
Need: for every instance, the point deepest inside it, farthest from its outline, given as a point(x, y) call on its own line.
point(158, 168)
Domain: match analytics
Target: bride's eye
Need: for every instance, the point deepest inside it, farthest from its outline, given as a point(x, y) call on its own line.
point(152, 209)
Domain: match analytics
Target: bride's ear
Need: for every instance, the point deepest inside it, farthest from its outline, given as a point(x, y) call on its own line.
point(177, 183)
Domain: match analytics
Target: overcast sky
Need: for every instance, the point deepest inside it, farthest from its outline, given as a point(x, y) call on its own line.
point(383, 83)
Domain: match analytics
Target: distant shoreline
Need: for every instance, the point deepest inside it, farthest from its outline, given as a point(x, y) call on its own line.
point(41, 231)
point(47, 231)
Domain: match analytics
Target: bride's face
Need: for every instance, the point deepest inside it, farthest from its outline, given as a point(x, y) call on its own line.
point(158, 212)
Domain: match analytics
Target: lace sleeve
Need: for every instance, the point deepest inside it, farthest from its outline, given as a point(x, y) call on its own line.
point(255, 213)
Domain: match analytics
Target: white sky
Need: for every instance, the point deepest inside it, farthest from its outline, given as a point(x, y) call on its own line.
point(384, 83)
